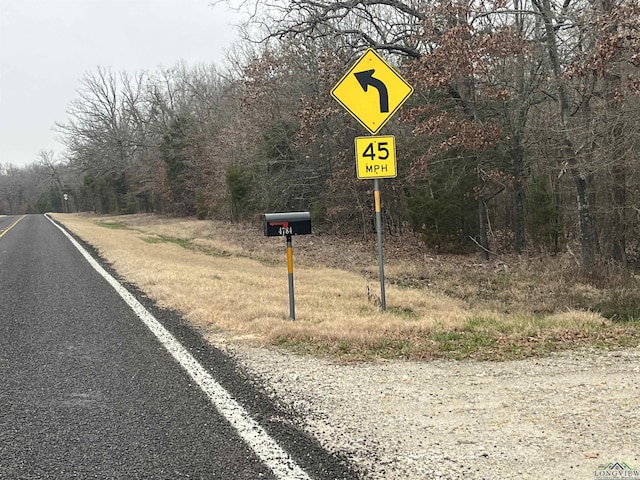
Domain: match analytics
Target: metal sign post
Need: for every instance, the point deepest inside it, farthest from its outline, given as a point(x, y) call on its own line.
point(376, 193)
point(372, 92)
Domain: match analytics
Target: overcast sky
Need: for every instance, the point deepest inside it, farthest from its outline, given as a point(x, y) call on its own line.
point(46, 46)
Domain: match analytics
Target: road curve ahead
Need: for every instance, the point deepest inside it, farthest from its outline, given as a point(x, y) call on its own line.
point(90, 388)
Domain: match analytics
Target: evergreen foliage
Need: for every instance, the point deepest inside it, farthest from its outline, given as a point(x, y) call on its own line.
point(543, 220)
point(240, 188)
point(444, 211)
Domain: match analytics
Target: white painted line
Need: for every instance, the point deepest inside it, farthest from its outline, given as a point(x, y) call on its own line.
point(265, 447)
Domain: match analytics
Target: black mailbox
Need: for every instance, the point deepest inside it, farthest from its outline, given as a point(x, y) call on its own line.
point(285, 224)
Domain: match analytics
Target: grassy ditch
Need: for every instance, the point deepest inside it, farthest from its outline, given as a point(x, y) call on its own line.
point(231, 282)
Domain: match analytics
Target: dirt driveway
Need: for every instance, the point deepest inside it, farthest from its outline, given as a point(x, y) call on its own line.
point(560, 417)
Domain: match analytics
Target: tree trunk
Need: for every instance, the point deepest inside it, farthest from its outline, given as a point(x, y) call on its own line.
point(586, 226)
point(619, 170)
point(619, 224)
point(517, 157)
point(483, 217)
point(517, 148)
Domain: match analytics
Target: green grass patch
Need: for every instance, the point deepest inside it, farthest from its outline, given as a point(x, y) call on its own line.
point(112, 225)
point(206, 250)
point(402, 348)
point(294, 345)
point(166, 239)
point(447, 342)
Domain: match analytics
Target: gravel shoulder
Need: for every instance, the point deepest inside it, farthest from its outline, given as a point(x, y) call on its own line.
point(559, 417)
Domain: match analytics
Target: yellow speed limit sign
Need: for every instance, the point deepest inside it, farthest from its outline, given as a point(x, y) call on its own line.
point(376, 157)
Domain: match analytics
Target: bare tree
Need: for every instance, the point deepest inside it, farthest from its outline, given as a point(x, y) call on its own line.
point(106, 132)
point(50, 168)
point(104, 128)
point(387, 25)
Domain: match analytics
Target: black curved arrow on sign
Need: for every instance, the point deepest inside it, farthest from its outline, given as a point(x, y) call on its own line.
point(365, 79)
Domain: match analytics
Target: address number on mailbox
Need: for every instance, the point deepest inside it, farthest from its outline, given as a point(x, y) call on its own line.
point(285, 224)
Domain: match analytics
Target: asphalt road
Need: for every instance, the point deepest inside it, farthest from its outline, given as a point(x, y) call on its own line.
point(88, 391)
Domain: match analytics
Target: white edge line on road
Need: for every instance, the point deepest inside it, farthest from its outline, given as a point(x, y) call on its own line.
point(265, 447)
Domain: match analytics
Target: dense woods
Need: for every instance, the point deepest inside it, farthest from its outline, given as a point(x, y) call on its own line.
point(523, 133)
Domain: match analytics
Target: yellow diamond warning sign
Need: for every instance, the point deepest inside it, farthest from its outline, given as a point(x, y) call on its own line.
point(372, 91)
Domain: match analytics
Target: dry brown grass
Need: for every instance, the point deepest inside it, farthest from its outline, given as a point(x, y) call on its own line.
point(229, 279)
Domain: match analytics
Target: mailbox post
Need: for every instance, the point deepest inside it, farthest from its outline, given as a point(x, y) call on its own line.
point(286, 225)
